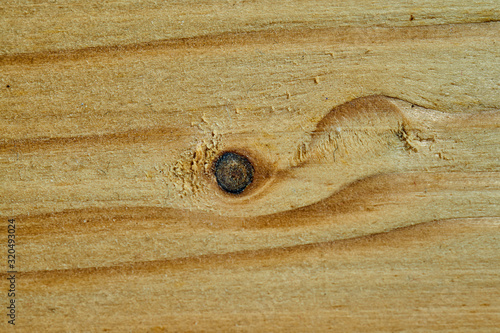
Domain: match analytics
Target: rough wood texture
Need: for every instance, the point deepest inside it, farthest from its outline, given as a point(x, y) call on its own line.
point(374, 131)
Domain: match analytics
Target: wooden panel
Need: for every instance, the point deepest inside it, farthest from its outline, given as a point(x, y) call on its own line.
point(374, 135)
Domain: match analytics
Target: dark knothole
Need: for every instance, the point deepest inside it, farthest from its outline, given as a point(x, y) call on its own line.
point(233, 172)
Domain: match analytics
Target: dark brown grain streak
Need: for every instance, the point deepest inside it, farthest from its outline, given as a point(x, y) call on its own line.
point(412, 235)
point(343, 35)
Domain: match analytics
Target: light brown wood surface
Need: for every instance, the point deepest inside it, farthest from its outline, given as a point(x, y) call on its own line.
point(373, 128)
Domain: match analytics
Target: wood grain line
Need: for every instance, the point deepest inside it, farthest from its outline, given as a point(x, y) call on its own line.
point(338, 35)
point(404, 237)
point(373, 205)
point(117, 139)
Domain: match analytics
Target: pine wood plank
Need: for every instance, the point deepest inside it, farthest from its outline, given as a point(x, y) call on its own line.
point(373, 128)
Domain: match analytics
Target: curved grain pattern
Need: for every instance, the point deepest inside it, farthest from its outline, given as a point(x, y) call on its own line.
point(233, 83)
point(373, 131)
point(362, 138)
point(332, 285)
point(370, 166)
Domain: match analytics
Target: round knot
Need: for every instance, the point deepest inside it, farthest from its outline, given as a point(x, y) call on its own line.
point(233, 172)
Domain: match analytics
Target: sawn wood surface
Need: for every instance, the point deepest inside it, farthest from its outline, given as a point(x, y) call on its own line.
point(373, 129)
